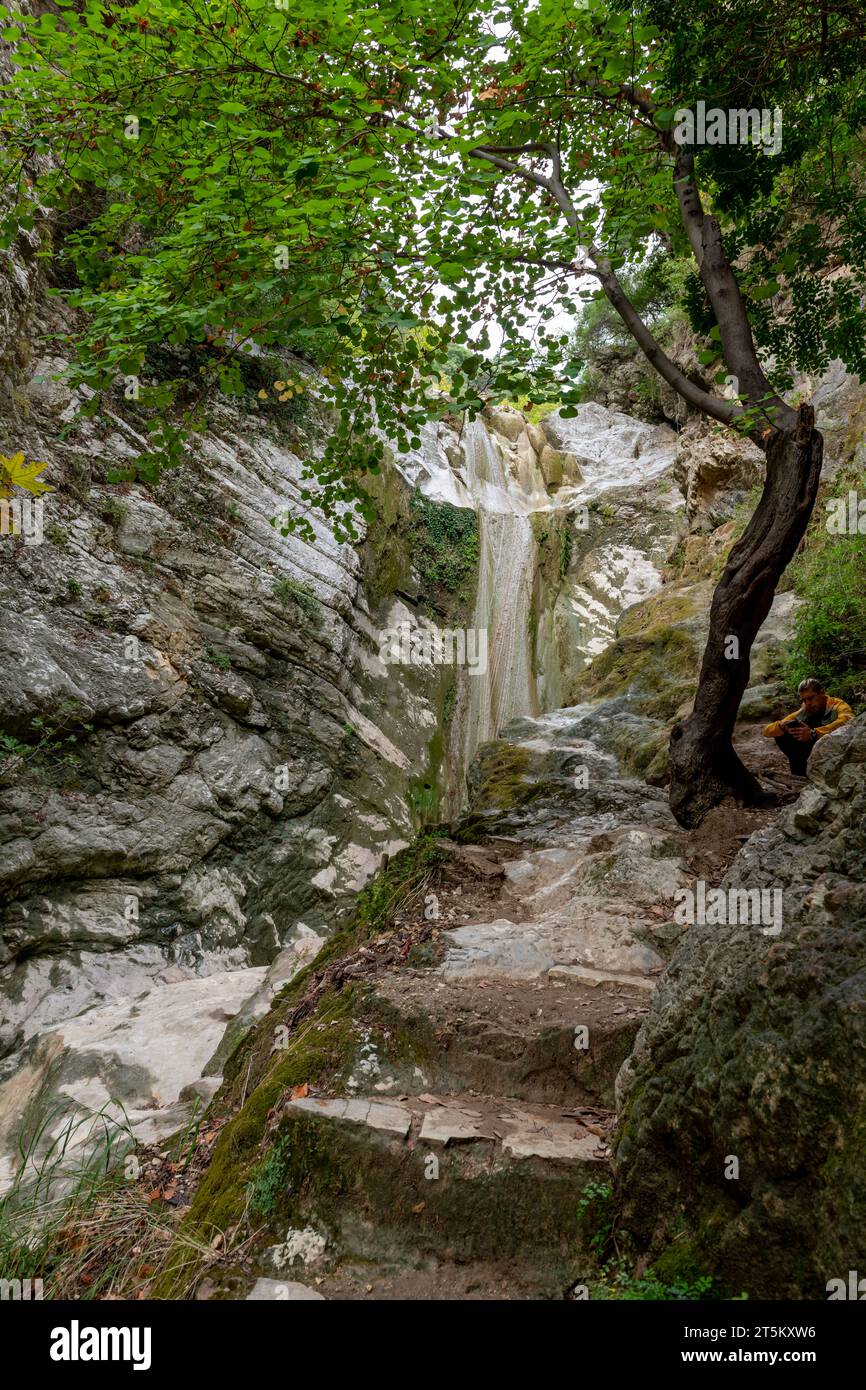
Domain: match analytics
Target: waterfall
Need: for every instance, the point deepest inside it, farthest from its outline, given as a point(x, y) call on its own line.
point(503, 608)
point(541, 628)
point(503, 604)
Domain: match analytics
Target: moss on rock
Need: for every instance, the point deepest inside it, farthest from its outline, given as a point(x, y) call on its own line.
point(502, 777)
point(658, 668)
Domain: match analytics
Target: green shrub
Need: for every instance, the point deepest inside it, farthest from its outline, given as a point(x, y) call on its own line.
point(595, 1209)
point(616, 1281)
point(444, 545)
point(221, 660)
point(830, 627)
point(112, 510)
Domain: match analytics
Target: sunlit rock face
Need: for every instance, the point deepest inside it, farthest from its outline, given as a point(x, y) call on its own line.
point(629, 514)
point(715, 469)
point(612, 449)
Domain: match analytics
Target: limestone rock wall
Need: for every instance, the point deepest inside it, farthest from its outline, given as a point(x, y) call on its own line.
point(203, 756)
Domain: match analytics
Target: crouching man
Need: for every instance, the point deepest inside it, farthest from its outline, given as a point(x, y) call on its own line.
point(798, 733)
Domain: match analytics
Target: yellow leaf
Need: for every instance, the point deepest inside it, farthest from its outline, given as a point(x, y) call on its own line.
point(15, 472)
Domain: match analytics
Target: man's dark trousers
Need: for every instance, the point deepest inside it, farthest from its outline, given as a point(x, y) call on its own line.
point(796, 751)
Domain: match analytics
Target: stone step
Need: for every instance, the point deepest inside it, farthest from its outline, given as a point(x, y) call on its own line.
point(429, 1280)
point(453, 1177)
point(419, 1280)
point(599, 939)
point(583, 975)
point(546, 1040)
point(519, 1131)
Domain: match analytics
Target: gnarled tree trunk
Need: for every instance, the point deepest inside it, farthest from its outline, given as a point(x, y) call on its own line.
point(704, 767)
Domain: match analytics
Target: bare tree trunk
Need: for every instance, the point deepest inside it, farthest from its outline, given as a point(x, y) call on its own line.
point(703, 764)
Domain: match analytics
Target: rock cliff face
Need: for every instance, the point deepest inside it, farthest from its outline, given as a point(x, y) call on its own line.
point(206, 705)
point(204, 758)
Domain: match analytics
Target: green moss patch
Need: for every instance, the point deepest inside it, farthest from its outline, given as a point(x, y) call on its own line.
point(664, 609)
point(437, 541)
point(659, 667)
point(503, 777)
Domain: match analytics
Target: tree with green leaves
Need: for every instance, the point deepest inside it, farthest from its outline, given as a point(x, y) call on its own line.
point(374, 186)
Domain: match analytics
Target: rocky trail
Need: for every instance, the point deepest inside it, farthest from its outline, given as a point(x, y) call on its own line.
point(549, 930)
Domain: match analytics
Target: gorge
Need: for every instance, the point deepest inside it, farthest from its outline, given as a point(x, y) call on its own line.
point(240, 768)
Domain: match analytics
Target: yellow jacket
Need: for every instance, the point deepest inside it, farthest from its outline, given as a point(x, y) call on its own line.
point(840, 714)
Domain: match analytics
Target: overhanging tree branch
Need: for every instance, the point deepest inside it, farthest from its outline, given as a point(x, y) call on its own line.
point(725, 411)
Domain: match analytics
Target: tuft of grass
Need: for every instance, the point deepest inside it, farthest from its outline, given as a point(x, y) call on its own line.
point(294, 593)
point(221, 660)
point(80, 1215)
point(112, 510)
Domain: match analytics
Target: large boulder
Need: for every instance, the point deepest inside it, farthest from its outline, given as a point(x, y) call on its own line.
point(740, 1148)
point(131, 1070)
point(558, 465)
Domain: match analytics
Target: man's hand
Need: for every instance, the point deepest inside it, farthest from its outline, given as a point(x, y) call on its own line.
point(801, 732)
